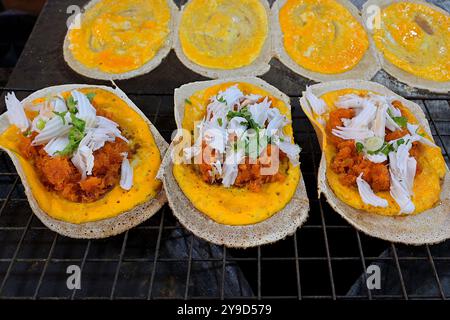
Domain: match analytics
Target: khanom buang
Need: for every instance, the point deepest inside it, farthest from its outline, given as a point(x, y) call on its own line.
point(87, 157)
point(380, 168)
point(221, 192)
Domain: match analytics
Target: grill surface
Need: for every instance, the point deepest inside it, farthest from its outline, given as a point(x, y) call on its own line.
point(325, 259)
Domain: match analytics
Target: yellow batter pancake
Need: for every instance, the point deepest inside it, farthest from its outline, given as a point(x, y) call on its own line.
point(322, 35)
point(120, 36)
point(416, 38)
point(233, 206)
point(427, 182)
point(145, 164)
point(223, 34)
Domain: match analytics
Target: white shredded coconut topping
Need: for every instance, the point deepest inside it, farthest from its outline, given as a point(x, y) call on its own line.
point(237, 126)
point(375, 114)
point(54, 123)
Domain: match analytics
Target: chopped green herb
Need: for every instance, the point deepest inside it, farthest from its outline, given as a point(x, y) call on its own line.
point(244, 113)
point(71, 104)
point(252, 123)
point(78, 123)
point(359, 147)
point(386, 149)
point(40, 124)
point(400, 142)
point(188, 101)
point(71, 101)
point(61, 115)
point(76, 134)
point(232, 114)
point(75, 138)
point(27, 133)
point(221, 99)
point(281, 139)
point(401, 121)
point(90, 96)
point(220, 121)
point(390, 113)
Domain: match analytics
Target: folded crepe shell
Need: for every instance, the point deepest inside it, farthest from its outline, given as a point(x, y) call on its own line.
point(279, 226)
point(80, 68)
point(396, 72)
point(365, 69)
point(428, 227)
point(101, 228)
point(256, 68)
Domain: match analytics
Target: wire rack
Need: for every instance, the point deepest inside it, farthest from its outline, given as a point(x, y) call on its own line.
point(322, 260)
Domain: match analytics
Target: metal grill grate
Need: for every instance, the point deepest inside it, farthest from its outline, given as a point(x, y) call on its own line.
point(321, 261)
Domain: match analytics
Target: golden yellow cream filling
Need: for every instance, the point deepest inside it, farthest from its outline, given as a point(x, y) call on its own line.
point(120, 36)
point(416, 39)
point(223, 34)
point(233, 206)
point(322, 35)
point(145, 165)
point(427, 183)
